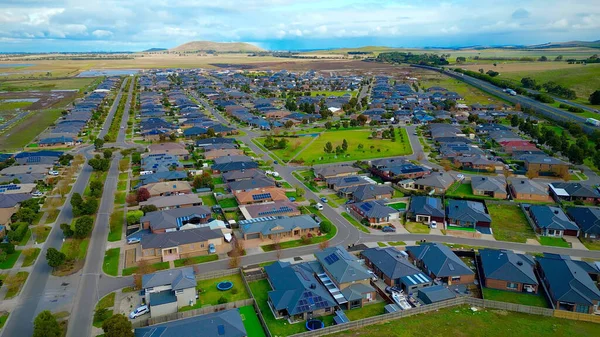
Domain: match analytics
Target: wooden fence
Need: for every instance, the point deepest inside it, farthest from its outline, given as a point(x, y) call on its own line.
point(576, 316)
point(215, 274)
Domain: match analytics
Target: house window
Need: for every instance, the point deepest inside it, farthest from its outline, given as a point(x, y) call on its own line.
point(512, 285)
point(201, 245)
point(455, 278)
point(582, 308)
point(551, 232)
point(328, 309)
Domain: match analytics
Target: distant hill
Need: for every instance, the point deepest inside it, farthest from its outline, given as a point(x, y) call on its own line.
point(154, 49)
point(568, 44)
point(219, 47)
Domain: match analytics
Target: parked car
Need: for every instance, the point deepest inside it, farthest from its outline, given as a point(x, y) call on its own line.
point(132, 241)
point(460, 176)
point(433, 225)
point(292, 199)
point(211, 248)
point(319, 206)
point(37, 194)
point(323, 199)
point(139, 311)
point(53, 173)
point(388, 229)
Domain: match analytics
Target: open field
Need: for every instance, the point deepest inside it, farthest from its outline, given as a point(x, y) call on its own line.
point(48, 84)
point(470, 94)
point(461, 321)
point(372, 148)
point(26, 130)
point(295, 145)
point(509, 223)
point(515, 297)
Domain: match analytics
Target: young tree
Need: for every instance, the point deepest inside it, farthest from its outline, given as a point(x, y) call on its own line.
point(118, 326)
point(67, 231)
point(83, 226)
point(203, 180)
point(595, 98)
point(45, 325)
point(345, 145)
point(148, 208)
point(96, 187)
point(98, 143)
point(299, 191)
point(328, 147)
point(55, 258)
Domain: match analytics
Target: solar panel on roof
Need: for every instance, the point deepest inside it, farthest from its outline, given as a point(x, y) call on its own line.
point(352, 179)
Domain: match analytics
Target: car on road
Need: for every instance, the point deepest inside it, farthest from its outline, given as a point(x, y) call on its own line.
point(139, 311)
point(132, 241)
point(388, 229)
point(276, 162)
point(323, 199)
point(319, 206)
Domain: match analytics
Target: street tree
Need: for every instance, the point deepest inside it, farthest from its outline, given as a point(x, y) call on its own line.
point(55, 258)
point(46, 325)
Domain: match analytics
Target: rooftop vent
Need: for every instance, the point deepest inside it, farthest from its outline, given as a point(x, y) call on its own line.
point(519, 263)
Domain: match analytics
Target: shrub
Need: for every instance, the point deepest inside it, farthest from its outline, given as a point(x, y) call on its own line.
point(222, 300)
point(325, 226)
point(18, 232)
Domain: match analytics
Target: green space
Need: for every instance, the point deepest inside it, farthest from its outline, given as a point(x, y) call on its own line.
point(5, 106)
point(416, 228)
point(19, 279)
point(398, 194)
point(24, 131)
point(122, 185)
point(46, 84)
point(332, 93)
point(3, 319)
point(75, 249)
point(208, 294)
point(591, 244)
point(111, 262)
point(41, 233)
point(11, 259)
point(157, 266)
point(96, 176)
point(277, 327)
point(106, 302)
point(30, 255)
point(25, 238)
point(368, 310)
point(371, 148)
point(209, 200)
point(217, 180)
point(294, 145)
point(461, 321)
point(397, 243)
point(515, 297)
point(251, 322)
point(294, 195)
point(509, 223)
point(195, 260)
point(382, 244)
point(52, 215)
point(228, 203)
point(355, 222)
point(123, 176)
point(470, 94)
point(120, 198)
point(398, 205)
point(116, 225)
point(554, 242)
point(462, 190)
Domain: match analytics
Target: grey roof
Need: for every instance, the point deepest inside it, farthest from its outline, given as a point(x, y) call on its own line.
point(550, 217)
point(505, 265)
point(427, 206)
point(296, 289)
point(567, 281)
point(542, 159)
point(441, 180)
point(345, 181)
point(173, 218)
point(374, 209)
point(528, 186)
point(439, 259)
point(177, 278)
point(370, 191)
point(226, 323)
point(242, 174)
point(275, 208)
point(328, 171)
point(390, 262)
point(490, 184)
point(162, 297)
point(356, 291)
point(576, 189)
point(587, 218)
point(250, 184)
point(10, 200)
point(173, 200)
point(435, 294)
point(467, 210)
point(162, 176)
point(274, 225)
point(341, 265)
point(176, 238)
point(232, 159)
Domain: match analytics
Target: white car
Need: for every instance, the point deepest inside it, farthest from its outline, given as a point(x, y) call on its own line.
point(131, 241)
point(460, 176)
point(139, 311)
point(319, 206)
point(53, 173)
point(37, 194)
point(433, 225)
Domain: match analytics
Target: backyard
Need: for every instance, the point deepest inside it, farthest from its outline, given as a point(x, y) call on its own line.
point(210, 295)
point(509, 223)
point(251, 322)
point(515, 297)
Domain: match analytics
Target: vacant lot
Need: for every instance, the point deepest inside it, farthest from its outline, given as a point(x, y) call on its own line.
point(74, 83)
point(295, 145)
point(360, 147)
point(471, 95)
point(509, 223)
point(27, 129)
point(461, 321)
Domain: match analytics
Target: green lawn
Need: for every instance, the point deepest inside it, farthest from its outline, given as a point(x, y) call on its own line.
point(25, 130)
point(105, 302)
point(369, 310)
point(52, 215)
point(228, 203)
point(123, 176)
point(398, 205)
point(355, 222)
point(31, 255)
point(217, 180)
point(509, 223)
point(22, 277)
point(461, 321)
point(120, 198)
point(111, 261)
point(195, 260)
point(294, 145)
point(332, 93)
point(470, 94)
point(416, 228)
point(515, 297)
point(251, 321)
point(209, 294)
point(397, 243)
point(209, 200)
point(116, 225)
point(554, 242)
point(591, 244)
point(41, 233)
point(459, 189)
point(122, 185)
point(371, 148)
point(3, 319)
point(157, 266)
point(382, 244)
point(10, 260)
point(25, 238)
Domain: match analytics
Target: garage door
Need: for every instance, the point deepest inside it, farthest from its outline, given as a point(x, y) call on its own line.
point(252, 236)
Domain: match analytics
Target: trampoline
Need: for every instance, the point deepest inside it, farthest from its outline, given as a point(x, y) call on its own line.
point(224, 285)
point(314, 324)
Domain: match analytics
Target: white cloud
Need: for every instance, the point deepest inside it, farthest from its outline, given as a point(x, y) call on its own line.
point(101, 33)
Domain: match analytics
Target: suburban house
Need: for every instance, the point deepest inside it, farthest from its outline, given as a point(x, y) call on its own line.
point(467, 213)
point(166, 188)
point(169, 290)
point(173, 219)
point(246, 185)
point(544, 165)
point(475, 163)
point(367, 192)
point(338, 183)
point(569, 286)
point(275, 208)
point(9, 205)
point(375, 212)
point(297, 295)
point(527, 189)
point(348, 275)
point(438, 182)
point(574, 192)
point(505, 270)
point(397, 169)
point(174, 149)
point(227, 323)
point(233, 163)
point(216, 153)
point(588, 220)
point(179, 244)
point(277, 228)
point(426, 209)
point(173, 201)
point(393, 267)
point(552, 221)
point(489, 186)
point(260, 195)
point(439, 262)
point(242, 175)
point(327, 172)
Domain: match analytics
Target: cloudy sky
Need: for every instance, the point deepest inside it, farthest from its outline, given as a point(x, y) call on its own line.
point(134, 25)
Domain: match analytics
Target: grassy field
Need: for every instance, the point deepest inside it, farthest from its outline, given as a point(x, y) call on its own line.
point(40, 233)
point(116, 225)
point(251, 322)
point(461, 321)
point(10, 260)
point(554, 242)
point(228, 203)
point(17, 283)
point(30, 255)
point(27, 129)
point(509, 223)
point(295, 145)
point(515, 297)
point(209, 294)
point(111, 262)
point(3, 319)
point(369, 310)
point(470, 94)
point(372, 148)
point(46, 84)
point(591, 244)
point(417, 228)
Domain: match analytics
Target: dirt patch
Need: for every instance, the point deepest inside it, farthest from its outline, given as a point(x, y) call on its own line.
point(130, 258)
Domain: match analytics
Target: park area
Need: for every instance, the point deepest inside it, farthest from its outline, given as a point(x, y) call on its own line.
point(360, 146)
point(509, 223)
point(294, 145)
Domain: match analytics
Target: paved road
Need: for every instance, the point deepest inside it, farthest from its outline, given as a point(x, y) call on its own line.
point(43, 291)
